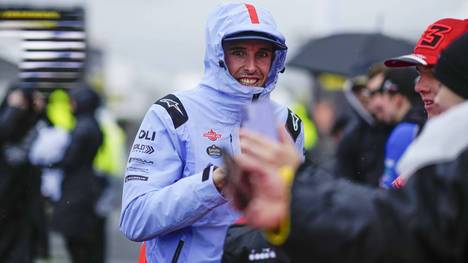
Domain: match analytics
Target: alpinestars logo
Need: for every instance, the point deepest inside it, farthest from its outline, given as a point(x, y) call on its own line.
point(143, 148)
point(295, 121)
point(212, 135)
point(172, 104)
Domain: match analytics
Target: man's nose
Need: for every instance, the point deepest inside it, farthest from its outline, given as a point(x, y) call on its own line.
point(420, 87)
point(250, 64)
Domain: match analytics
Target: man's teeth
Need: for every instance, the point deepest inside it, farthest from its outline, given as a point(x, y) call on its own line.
point(248, 82)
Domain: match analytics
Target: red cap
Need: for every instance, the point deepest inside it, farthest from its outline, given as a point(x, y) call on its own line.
point(435, 39)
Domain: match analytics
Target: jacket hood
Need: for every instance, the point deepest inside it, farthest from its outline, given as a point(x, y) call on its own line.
point(86, 99)
point(233, 18)
point(356, 105)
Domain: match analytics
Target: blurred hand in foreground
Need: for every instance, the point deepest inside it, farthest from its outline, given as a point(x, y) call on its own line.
point(255, 184)
point(269, 152)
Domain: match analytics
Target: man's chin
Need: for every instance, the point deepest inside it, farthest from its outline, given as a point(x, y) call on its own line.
point(432, 110)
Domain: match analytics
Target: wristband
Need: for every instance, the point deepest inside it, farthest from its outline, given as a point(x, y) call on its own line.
point(278, 236)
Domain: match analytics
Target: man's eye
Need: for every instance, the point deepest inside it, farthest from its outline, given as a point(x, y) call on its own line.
point(237, 53)
point(263, 54)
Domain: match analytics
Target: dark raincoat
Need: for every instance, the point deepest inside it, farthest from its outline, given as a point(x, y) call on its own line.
point(74, 214)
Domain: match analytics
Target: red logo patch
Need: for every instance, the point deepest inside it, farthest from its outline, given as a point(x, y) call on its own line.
point(212, 135)
point(398, 183)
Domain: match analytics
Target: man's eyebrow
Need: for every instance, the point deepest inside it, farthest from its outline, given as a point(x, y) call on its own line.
point(236, 48)
point(267, 49)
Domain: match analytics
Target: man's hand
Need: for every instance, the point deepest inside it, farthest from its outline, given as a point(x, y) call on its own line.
point(269, 194)
point(255, 185)
point(269, 152)
point(219, 178)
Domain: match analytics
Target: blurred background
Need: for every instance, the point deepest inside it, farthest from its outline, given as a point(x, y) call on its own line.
point(134, 52)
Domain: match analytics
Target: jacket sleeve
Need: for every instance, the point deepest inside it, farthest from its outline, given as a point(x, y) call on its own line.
point(400, 138)
point(157, 197)
point(333, 220)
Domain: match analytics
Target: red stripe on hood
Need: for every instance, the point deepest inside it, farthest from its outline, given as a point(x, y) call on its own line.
point(252, 13)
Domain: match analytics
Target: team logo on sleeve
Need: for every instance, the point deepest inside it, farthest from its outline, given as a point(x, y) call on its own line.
point(172, 104)
point(295, 121)
point(147, 135)
point(139, 161)
point(174, 108)
point(135, 178)
point(212, 135)
point(293, 124)
point(137, 169)
point(143, 148)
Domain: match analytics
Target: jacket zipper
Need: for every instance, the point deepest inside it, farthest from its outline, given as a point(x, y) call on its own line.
point(255, 97)
point(230, 144)
point(177, 251)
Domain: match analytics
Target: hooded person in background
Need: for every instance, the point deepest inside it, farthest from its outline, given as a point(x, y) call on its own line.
point(360, 153)
point(74, 214)
point(23, 231)
point(172, 196)
point(332, 220)
point(396, 103)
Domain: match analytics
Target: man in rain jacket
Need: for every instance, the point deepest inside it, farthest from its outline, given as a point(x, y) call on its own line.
point(172, 195)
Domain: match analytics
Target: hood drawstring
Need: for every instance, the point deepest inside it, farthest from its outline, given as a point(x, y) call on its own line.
point(221, 64)
point(255, 97)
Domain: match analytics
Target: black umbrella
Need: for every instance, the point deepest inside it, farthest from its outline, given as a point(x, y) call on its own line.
point(349, 54)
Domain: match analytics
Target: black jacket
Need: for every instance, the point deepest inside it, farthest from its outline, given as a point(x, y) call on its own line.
point(361, 152)
point(74, 213)
point(23, 230)
point(416, 115)
point(334, 220)
point(245, 244)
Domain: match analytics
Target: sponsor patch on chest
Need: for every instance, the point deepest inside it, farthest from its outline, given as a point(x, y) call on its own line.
point(214, 151)
point(212, 135)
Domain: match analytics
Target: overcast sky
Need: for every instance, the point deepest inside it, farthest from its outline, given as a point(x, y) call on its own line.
point(170, 33)
point(160, 43)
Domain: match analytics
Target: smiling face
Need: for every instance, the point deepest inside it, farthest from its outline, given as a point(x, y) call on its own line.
point(385, 106)
point(428, 86)
point(249, 61)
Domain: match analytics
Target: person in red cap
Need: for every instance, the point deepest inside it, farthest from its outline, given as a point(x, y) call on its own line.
point(425, 56)
point(452, 72)
point(320, 218)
